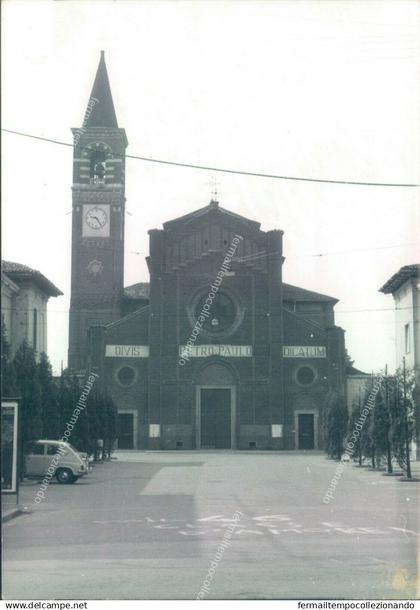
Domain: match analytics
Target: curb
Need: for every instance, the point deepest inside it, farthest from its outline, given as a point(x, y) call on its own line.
point(13, 514)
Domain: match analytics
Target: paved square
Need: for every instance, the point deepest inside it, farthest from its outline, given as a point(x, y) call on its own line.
point(148, 525)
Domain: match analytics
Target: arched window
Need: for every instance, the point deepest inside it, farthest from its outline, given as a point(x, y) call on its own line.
point(97, 154)
point(97, 167)
point(35, 328)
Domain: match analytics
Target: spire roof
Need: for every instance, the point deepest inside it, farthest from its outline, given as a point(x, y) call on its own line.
point(100, 110)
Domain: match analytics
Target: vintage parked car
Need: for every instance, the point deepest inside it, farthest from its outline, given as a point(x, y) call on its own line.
point(69, 465)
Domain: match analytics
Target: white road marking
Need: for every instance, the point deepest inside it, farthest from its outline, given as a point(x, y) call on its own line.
point(265, 524)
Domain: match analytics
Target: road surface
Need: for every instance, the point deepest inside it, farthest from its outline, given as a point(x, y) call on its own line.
point(150, 525)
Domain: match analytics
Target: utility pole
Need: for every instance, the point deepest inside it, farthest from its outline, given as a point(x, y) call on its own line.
point(407, 443)
point(388, 441)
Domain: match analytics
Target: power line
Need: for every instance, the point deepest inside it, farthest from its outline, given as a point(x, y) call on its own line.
point(228, 171)
point(304, 314)
point(249, 257)
point(413, 243)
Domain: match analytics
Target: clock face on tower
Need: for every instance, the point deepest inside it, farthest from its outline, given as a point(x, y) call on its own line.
point(96, 220)
point(96, 217)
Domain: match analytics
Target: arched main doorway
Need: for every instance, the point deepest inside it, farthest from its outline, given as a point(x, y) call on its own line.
point(215, 403)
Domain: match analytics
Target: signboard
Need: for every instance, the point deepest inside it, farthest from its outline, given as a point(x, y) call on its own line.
point(127, 351)
point(154, 430)
point(304, 351)
point(277, 431)
point(227, 351)
point(9, 446)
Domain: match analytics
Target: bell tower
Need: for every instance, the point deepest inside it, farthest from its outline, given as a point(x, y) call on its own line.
point(97, 261)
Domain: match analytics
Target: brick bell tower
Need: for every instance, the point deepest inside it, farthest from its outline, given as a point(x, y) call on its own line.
point(97, 261)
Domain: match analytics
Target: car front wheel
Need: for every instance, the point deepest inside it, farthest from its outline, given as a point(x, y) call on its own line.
point(65, 475)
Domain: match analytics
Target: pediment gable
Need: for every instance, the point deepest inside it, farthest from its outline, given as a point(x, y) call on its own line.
point(204, 237)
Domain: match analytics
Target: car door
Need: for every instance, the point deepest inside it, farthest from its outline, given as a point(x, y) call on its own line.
point(51, 451)
point(35, 460)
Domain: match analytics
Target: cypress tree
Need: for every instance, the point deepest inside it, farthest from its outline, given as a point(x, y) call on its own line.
point(354, 418)
point(111, 425)
point(380, 428)
point(30, 393)
point(366, 440)
point(336, 418)
point(49, 399)
point(399, 410)
point(70, 391)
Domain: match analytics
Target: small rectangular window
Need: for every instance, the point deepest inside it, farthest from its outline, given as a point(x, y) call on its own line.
point(38, 450)
point(407, 338)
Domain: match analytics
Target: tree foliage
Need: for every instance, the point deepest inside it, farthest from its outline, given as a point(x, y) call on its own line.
point(356, 410)
point(50, 399)
point(110, 425)
point(8, 375)
point(335, 424)
point(103, 416)
point(402, 409)
point(367, 442)
point(383, 431)
point(380, 427)
point(70, 391)
point(30, 392)
point(348, 360)
point(47, 404)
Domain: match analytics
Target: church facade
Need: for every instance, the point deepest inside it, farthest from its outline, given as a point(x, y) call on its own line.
point(215, 351)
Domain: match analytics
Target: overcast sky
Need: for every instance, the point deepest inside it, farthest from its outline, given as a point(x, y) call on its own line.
point(317, 89)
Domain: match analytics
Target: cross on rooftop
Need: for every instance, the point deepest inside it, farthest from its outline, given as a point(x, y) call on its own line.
point(214, 184)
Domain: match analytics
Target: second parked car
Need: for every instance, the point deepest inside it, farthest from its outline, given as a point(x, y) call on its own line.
point(68, 466)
